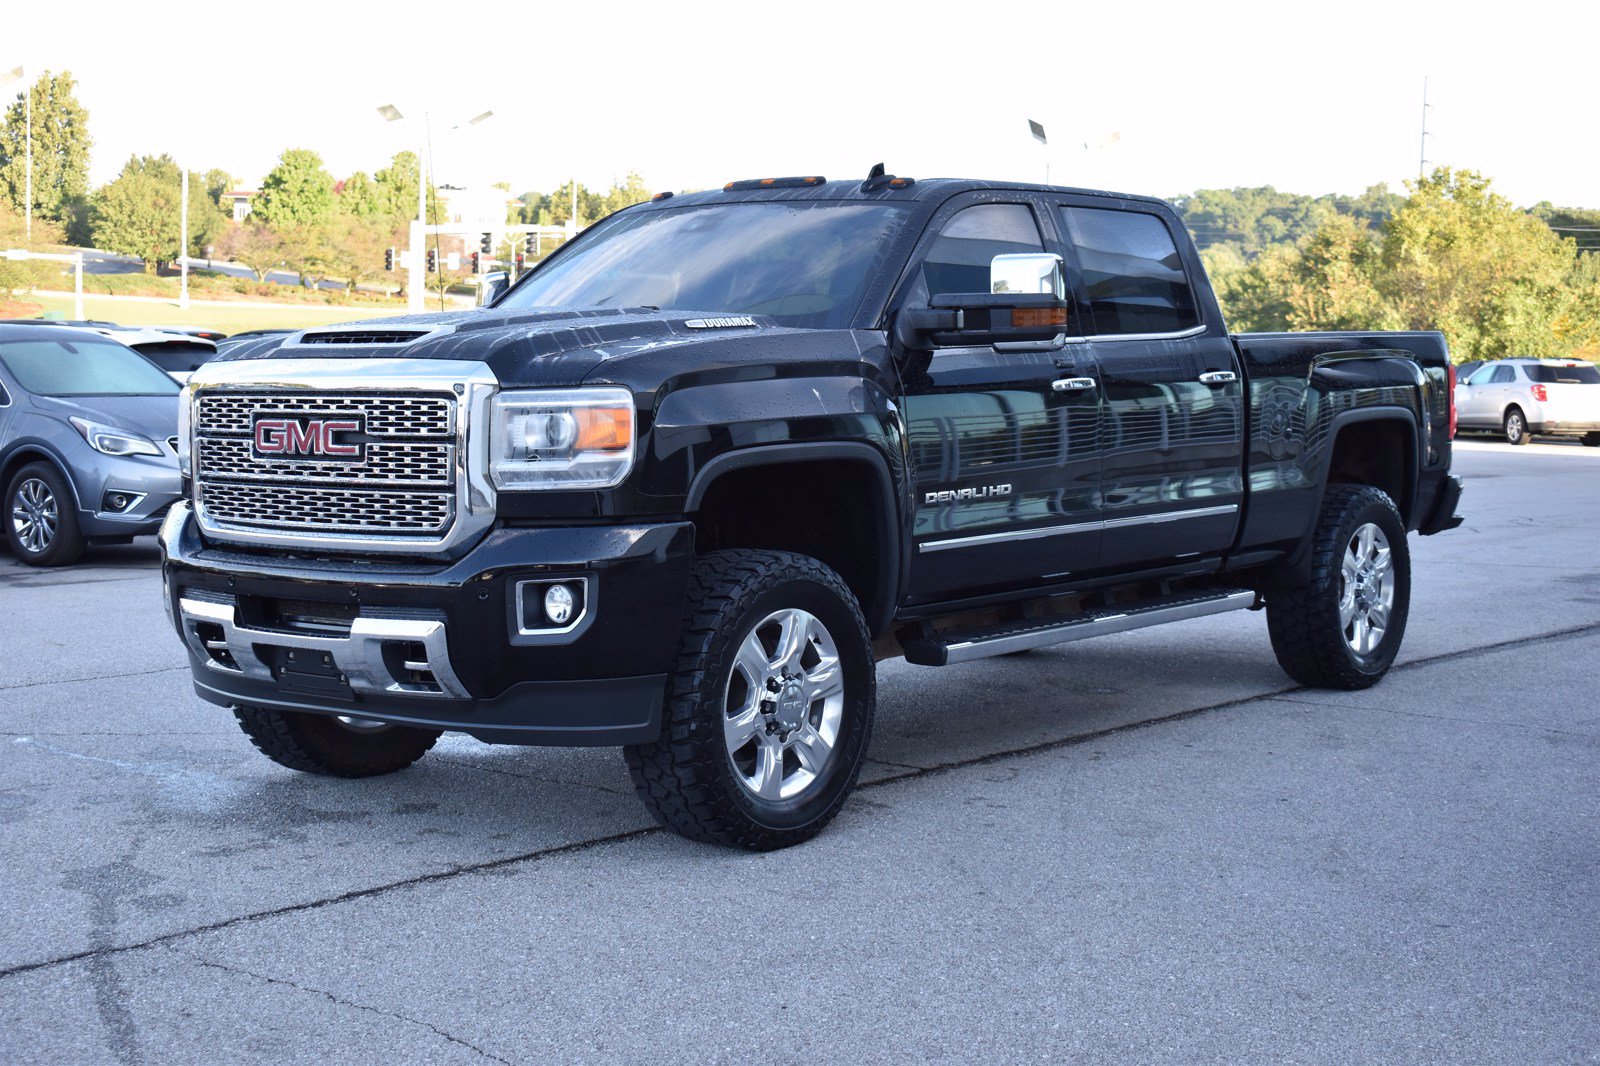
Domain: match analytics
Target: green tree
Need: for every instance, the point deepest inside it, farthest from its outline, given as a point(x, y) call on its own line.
point(395, 186)
point(255, 245)
point(60, 149)
point(216, 182)
point(137, 214)
point(360, 197)
point(631, 190)
point(298, 191)
point(1581, 224)
point(1458, 257)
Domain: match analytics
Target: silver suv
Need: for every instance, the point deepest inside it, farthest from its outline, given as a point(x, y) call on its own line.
point(88, 442)
point(1521, 397)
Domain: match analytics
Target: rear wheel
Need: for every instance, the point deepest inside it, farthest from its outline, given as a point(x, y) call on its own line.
point(1343, 629)
point(769, 709)
point(1515, 426)
point(41, 517)
point(333, 746)
point(1591, 440)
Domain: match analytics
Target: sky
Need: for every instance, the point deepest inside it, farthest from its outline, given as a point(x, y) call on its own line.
point(1311, 98)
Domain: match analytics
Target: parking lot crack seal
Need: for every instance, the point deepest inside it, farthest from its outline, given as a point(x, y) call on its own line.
point(580, 846)
point(92, 677)
point(241, 972)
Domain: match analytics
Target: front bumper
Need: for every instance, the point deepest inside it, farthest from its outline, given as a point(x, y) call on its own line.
point(1444, 508)
point(153, 486)
point(437, 645)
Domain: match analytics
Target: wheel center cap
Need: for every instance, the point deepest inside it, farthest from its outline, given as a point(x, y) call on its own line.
point(791, 706)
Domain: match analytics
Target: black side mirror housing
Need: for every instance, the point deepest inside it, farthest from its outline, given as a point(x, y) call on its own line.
point(973, 319)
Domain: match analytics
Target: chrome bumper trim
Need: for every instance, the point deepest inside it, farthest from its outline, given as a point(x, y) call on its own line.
point(358, 655)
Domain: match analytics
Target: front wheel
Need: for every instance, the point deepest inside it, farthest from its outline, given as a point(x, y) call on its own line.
point(769, 709)
point(41, 517)
point(1515, 426)
point(1343, 629)
point(333, 746)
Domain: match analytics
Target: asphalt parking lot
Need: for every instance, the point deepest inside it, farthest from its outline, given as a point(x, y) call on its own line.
point(1150, 846)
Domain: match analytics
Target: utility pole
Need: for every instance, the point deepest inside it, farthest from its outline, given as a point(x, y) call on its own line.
point(183, 242)
point(27, 95)
point(1422, 152)
point(573, 221)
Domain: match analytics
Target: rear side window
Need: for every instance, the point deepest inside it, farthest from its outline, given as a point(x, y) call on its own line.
point(1132, 271)
point(1503, 375)
point(958, 259)
point(1576, 374)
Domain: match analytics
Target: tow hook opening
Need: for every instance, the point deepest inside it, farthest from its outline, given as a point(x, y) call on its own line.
point(215, 642)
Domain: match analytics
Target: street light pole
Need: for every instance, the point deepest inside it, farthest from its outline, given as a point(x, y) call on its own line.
point(416, 278)
point(183, 242)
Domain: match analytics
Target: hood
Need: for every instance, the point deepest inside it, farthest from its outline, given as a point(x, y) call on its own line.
point(523, 347)
point(155, 417)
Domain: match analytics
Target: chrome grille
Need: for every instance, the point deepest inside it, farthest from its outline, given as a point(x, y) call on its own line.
point(229, 413)
point(394, 463)
point(403, 486)
point(327, 510)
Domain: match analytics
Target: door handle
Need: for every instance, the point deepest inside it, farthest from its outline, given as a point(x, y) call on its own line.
point(1072, 384)
point(1218, 377)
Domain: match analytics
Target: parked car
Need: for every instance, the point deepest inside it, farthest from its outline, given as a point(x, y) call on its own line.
point(681, 486)
point(88, 442)
point(211, 335)
point(178, 354)
point(1520, 398)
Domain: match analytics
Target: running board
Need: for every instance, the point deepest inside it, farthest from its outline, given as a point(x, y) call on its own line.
point(947, 649)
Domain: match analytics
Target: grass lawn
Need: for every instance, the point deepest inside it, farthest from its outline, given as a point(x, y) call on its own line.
point(233, 318)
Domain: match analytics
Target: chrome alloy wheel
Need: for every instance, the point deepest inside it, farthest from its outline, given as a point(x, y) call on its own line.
point(34, 515)
point(784, 704)
point(1366, 589)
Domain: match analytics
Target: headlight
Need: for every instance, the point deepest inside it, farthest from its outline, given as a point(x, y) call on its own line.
point(185, 398)
point(113, 441)
point(561, 438)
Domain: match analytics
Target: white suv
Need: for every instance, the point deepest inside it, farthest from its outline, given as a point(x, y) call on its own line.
point(1521, 397)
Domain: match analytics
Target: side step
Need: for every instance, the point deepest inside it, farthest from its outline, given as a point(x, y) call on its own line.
point(947, 649)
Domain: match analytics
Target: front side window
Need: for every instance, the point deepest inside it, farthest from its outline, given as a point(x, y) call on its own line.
point(958, 259)
point(1132, 272)
point(804, 263)
point(83, 366)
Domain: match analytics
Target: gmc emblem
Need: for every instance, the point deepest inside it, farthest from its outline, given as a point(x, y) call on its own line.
point(307, 438)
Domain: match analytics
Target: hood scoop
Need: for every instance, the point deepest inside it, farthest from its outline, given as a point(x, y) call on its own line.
point(363, 336)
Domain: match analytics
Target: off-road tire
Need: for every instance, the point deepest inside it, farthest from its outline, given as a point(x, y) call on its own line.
point(68, 544)
point(321, 744)
point(1304, 625)
point(1514, 426)
point(686, 777)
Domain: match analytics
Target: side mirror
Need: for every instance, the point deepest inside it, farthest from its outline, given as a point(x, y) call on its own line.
point(491, 286)
point(1026, 302)
point(1028, 272)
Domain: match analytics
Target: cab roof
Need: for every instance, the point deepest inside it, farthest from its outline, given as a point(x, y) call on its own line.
point(921, 190)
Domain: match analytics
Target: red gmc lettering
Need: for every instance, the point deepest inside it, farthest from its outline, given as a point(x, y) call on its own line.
point(287, 436)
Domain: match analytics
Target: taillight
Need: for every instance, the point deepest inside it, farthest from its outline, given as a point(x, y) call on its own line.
point(1540, 393)
point(1450, 374)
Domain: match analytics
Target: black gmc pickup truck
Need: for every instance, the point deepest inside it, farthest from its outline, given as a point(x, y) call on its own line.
point(680, 487)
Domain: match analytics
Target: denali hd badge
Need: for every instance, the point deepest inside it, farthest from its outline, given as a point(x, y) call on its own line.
point(720, 323)
point(982, 492)
point(277, 437)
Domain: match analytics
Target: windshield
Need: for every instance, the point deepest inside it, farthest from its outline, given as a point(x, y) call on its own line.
point(805, 264)
point(1570, 374)
point(83, 366)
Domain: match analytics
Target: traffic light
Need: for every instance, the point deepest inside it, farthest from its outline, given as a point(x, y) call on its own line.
point(528, 243)
point(474, 262)
point(486, 243)
point(388, 259)
point(433, 260)
point(520, 260)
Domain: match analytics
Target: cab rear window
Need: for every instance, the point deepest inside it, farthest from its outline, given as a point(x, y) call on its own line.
point(1575, 374)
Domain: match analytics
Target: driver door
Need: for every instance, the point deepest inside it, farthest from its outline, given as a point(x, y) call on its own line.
point(1003, 439)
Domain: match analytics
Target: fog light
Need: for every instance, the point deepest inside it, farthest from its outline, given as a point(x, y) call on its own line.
point(117, 502)
point(558, 603)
